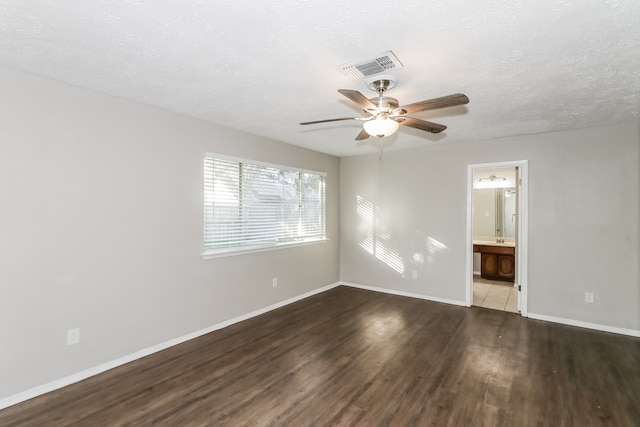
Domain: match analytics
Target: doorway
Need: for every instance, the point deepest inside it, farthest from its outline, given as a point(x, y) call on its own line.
point(501, 238)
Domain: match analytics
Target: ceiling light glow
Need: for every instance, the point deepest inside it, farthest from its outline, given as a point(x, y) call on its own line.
point(381, 126)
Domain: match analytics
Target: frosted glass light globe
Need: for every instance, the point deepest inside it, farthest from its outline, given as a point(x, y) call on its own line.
point(381, 127)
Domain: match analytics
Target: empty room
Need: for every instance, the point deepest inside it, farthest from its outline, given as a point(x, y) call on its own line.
point(319, 213)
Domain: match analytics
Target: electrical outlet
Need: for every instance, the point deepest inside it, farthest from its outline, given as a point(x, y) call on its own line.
point(275, 282)
point(73, 336)
point(588, 297)
point(414, 274)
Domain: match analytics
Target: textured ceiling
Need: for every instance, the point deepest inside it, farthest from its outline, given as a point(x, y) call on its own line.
point(263, 67)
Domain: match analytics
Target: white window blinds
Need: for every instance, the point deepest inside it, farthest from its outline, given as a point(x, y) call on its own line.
point(252, 206)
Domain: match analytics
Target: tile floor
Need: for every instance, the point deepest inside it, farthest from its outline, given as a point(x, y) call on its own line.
point(495, 294)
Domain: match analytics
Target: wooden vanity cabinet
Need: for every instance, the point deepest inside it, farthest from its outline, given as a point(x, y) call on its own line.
point(497, 262)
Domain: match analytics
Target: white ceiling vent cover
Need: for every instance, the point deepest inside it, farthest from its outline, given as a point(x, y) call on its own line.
point(379, 64)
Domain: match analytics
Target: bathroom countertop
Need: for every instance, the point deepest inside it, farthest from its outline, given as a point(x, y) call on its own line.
point(494, 243)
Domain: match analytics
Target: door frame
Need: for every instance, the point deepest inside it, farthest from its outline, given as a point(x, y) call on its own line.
point(522, 236)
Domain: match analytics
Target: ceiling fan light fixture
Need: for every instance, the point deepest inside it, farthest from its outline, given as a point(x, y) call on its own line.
point(381, 127)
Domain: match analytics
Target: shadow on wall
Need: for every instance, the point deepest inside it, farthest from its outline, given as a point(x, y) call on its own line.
point(377, 240)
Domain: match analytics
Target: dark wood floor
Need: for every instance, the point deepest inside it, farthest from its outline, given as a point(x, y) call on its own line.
point(355, 357)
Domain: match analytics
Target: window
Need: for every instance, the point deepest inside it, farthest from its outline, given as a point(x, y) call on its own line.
point(251, 206)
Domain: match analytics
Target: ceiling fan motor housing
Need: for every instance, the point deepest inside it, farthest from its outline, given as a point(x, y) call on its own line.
point(385, 103)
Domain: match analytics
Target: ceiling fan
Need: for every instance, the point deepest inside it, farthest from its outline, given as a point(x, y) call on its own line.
point(383, 115)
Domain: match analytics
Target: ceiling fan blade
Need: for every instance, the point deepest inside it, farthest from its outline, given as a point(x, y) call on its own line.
point(434, 104)
point(422, 124)
point(359, 99)
point(362, 135)
point(331, 120)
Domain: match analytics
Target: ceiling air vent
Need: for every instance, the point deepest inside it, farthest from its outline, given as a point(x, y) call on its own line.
point(379, 64)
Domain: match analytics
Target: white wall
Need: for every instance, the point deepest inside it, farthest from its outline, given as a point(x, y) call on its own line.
point(583, 220)
point(101, 223)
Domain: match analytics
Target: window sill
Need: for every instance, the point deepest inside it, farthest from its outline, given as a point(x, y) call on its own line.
point(220, 253)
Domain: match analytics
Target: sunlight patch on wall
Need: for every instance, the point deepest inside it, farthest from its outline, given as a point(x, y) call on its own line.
point(434, 247)
point(377, 240)
point(364, 209)
point(418, 258)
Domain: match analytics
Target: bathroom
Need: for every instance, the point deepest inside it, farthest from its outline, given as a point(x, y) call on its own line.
point(495, 224)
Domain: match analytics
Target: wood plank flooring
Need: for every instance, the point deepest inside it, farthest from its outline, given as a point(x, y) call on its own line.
point(351, 357)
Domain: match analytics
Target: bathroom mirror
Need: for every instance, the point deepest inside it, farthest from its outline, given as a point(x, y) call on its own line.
point(494, 212)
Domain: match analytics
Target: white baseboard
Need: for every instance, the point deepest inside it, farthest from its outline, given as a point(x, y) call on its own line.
point(587, 325)
point(74, 378)
point(405, 294)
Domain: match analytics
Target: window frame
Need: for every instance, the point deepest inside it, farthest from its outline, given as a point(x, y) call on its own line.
point(209, 253)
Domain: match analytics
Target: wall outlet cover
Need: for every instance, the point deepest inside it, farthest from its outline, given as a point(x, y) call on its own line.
point(589, 297)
